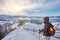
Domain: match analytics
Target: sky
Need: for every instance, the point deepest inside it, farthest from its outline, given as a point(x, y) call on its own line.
point(30, 7)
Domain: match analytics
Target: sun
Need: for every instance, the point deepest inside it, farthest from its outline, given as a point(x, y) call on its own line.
point(13, 8)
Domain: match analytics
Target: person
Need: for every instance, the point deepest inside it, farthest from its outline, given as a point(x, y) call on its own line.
point(46, 35)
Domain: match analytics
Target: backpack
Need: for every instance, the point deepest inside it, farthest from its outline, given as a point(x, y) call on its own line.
point(51, 30)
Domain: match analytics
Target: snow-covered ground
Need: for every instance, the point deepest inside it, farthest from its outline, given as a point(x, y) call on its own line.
point(22, 34)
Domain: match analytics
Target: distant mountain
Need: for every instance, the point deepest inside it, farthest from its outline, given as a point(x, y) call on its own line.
point(7, 17)
point(55, 18)
point(4, 17)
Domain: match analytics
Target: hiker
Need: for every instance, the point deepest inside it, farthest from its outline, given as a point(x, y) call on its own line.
point(46, 30)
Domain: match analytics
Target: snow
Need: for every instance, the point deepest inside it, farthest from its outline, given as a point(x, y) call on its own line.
point(21, 34)
point(3, 22)
point(32, 25)
point(15, 25)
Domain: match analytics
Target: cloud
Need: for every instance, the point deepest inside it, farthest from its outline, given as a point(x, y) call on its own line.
point(43, 6)
point(2, 1)
point(19, 7)
point(46, 4)
point(13, 7)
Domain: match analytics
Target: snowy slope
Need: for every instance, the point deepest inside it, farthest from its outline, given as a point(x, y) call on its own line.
point(21, 34)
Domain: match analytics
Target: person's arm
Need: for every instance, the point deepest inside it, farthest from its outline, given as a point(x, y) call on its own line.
point(46, 27)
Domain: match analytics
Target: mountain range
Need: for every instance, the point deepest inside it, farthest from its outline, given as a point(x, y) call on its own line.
point(5, 17)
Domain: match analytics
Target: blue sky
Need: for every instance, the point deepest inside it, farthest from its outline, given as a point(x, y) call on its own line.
point(30, 7)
